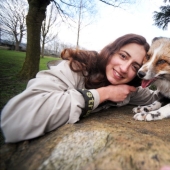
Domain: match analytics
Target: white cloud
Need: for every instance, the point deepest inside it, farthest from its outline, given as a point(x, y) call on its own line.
point(115, 22)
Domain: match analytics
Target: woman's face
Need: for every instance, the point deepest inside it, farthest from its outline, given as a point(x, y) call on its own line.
point(123, 66)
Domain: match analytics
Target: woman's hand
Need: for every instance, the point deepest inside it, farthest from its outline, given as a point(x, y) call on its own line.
point(115, 93)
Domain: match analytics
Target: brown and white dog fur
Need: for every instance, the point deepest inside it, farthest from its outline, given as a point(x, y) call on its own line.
point(156, 70)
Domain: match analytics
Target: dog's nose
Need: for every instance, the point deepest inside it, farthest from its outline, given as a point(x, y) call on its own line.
point(141, 74)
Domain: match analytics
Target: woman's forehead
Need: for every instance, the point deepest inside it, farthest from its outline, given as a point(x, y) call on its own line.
point(135, 51)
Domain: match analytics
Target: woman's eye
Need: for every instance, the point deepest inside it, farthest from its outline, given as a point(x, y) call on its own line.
point(136, 68)
point(122, 56)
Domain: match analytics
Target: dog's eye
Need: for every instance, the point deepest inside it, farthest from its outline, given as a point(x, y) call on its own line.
point(161, 62)
point(147, 57)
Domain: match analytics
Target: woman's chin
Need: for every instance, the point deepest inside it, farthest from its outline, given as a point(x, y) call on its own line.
point(117, 82)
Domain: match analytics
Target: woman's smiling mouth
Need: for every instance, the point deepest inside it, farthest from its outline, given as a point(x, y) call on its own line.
point(117, 75)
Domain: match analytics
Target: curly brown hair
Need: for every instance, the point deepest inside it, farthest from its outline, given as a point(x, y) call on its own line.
point(93, 64)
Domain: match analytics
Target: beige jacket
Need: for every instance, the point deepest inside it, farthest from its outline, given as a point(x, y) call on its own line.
point(51, 100)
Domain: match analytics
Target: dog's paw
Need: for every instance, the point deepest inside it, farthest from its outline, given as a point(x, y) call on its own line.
point(140, 116)
point(154, 115)
point(136, 109)
point(146, 109)
point(159, 114)
point(142, 109)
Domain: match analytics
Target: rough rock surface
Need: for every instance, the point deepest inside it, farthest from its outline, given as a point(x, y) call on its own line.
point(107, 140)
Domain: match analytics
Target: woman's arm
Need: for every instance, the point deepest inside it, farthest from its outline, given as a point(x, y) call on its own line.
point(49, 101)
point(115, 93)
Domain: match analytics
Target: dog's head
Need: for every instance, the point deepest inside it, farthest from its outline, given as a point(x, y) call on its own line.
point(156, 65)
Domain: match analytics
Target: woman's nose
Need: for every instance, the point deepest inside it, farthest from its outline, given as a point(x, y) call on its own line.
point(124, 68)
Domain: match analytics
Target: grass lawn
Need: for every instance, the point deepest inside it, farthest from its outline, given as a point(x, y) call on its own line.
point(10, 64)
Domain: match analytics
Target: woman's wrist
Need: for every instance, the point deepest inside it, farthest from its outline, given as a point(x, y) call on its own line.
point(103, 93)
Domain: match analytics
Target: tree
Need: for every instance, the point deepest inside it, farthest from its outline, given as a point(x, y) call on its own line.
point(85, 10)
point(5, 35)
point(35, 17)
point(166, 1)
point(46, 29)
point(12, 19)
point(116, 3)
point(162, 18)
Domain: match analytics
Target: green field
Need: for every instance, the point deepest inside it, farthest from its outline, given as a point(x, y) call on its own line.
point(10, 64)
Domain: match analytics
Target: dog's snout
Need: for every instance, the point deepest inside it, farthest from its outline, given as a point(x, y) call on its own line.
point(141, 74)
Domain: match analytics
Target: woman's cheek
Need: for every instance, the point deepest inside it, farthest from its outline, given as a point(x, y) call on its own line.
point(132, 75)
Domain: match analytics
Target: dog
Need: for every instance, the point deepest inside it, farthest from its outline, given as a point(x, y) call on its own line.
point(156, 70)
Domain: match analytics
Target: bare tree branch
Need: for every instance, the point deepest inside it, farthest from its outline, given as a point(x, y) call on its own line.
point(47, 25)
point(12, 18)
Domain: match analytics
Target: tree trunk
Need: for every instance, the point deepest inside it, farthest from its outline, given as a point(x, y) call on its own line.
point(36, 15)
point(16, 46)
point(42, 48)
point(16, 43)
point(79, 23)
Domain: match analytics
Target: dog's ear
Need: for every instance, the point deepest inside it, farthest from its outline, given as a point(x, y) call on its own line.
point(156, 38)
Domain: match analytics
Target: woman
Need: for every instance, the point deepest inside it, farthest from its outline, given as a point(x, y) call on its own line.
point(82, 83)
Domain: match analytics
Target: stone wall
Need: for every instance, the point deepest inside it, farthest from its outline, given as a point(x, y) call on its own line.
point(107, 140)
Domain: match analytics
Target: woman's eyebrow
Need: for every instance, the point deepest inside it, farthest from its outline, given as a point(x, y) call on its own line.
point(130, 56)
point(126, 53)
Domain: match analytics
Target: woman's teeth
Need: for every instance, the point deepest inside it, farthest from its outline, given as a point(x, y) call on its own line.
point(117, 74)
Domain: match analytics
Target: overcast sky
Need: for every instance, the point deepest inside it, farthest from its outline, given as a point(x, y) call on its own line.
point(114, 22)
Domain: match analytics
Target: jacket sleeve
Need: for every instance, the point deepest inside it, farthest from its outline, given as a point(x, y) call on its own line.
point(49, 101)
point(144, 96)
